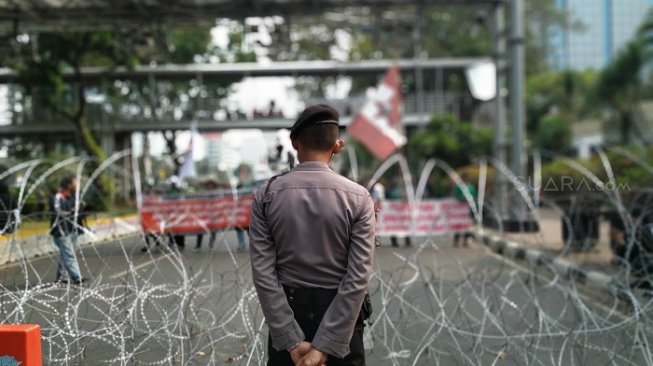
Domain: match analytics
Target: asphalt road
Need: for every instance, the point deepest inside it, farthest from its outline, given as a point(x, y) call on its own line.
point(433, 305)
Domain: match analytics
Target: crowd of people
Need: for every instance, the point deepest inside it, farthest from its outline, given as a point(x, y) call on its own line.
point(178, 240)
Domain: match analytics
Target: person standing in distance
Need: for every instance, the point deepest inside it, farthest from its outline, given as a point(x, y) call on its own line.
point(63, 230)
point(311, 246)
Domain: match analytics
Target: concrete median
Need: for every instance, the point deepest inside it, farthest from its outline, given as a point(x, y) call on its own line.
point(34, 244)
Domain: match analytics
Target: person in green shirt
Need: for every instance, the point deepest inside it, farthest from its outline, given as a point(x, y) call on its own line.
point(459, 194)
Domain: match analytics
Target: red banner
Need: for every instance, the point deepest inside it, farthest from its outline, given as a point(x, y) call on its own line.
point(188, 214)
point(430, 217)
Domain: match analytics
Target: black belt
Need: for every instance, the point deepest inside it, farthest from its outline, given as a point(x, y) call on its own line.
point(310, 296)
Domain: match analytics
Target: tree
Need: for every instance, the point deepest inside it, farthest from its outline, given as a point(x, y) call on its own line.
point(458, 31)
point(553, 134)
point(43, 59)
point(41, 69)
point(168, 100)
point(619, 87)
point(621, 84)
point(451, 140)
point(560, 92)
point(369, 33)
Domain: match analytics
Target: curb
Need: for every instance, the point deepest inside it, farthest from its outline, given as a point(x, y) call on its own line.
point(562, 267)
point(15, 249)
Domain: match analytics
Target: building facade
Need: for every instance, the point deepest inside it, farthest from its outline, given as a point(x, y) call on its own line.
point(607, 25)
point(226, 151)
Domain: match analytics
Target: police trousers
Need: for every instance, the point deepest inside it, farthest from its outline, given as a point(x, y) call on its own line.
point(309, 306)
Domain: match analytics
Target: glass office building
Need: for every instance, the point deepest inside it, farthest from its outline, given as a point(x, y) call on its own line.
point(607, 26)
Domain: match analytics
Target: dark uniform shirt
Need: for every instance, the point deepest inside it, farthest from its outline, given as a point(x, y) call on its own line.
point(313, 229)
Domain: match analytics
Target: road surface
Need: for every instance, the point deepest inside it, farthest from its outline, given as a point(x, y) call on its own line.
point(433, 305)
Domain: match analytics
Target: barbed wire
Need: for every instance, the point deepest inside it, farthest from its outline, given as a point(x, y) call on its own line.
point(433, 305)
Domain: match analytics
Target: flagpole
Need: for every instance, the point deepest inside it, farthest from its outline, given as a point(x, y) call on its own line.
point(187, 169)
point(417, 49)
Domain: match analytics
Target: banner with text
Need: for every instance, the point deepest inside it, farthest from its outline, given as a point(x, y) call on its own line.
point(429, 217)
point(198, 213)
point(195, 213)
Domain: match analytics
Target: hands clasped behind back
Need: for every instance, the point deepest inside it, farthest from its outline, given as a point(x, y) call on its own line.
point(305, 355)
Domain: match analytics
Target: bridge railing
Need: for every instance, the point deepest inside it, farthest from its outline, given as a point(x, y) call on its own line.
point(104, 117)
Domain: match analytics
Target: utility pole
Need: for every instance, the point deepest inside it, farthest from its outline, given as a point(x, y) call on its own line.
point(500, 187)
point(518, 116)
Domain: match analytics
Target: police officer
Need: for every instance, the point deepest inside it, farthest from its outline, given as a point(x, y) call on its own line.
point(311, 247)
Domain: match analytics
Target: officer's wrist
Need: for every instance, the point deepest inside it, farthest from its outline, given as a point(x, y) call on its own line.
point(326, 354)
point(289, 349)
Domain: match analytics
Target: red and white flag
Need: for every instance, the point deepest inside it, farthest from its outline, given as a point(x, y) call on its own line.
point(377, 125)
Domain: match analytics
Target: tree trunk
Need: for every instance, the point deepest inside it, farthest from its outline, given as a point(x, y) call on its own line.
point(89, 141)
point(91, 145)
point(625, 127)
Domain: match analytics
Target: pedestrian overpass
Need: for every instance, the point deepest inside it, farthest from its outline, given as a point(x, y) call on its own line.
point(114, 128)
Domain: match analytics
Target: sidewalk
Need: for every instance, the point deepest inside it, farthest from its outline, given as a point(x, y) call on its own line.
point(34, 240)
point(545, 247)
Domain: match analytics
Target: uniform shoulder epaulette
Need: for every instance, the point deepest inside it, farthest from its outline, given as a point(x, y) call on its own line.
point(272, 179)
point(267, 195)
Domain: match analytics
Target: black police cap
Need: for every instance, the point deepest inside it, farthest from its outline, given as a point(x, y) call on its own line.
point(320, 114)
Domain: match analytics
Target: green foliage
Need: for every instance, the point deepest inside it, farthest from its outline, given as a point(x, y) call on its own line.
point(387, 33)
point(43, 60)
point(621, 78)
point(41, 67)
point(302, 39)
point(645, 33)
point(564, 92)
point(441, 34)
point(455, 31)
point(554, 101)
point(367, 164)
point(619, 87)
point(631, 167)
point(184, 44)
point(553, 134)
point(449, 139)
